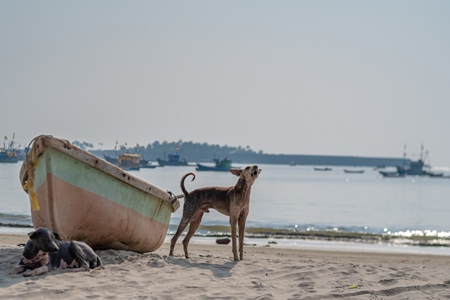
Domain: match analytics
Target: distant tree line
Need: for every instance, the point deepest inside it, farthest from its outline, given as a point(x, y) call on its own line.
point(203, 152)
point(190, 150)
point(83, 145)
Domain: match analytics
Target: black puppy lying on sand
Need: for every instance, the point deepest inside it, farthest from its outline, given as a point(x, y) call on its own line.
point(44, 251)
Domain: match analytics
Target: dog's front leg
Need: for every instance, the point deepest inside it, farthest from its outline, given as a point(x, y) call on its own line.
point(242, 220)
point(18, 269)
point(36, 272)
point(233, 222)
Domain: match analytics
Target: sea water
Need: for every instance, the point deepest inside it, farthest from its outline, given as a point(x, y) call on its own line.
point(292, 198)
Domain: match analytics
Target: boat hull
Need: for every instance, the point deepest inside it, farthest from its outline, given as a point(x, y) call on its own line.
point(82, 197)
point(163, 163)
point(353, 171)
point(323, 169)
point(8, 159)
point(201, 167)
point(391, 174)
point(111, 160)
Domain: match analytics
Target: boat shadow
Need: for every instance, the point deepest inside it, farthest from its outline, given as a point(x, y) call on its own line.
point(217, 270)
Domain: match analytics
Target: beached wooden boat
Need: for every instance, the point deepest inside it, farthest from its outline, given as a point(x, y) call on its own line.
point(82, 197)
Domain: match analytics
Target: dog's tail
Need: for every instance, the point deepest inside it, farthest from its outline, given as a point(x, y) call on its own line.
point(185, 192)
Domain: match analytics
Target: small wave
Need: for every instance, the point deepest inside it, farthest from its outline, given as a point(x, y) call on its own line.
point(15, 220)
point(327, 233)
point(15, 225)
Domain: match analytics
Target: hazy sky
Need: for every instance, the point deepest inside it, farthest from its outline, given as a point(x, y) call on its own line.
point(333, 77)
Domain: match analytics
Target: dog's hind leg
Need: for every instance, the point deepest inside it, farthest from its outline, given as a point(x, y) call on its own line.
point(80, 263)
point(193, 226)
point(183, 224)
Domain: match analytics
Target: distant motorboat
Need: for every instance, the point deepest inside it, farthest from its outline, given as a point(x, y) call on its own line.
point(323, 169)
point(143, 162)
point(391, 174)
point(436, 174)
point(147, 165)
point(354, 171)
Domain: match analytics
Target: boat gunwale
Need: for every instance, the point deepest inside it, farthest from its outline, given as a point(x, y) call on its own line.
point(40, 143)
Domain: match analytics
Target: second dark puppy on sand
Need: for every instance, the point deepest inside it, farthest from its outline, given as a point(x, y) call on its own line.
point(45, 251)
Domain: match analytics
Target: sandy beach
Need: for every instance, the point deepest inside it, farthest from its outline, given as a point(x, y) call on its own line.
point(265, 273)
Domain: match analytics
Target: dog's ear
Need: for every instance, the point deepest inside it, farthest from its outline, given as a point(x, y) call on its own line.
point(33, 235)
point(57, 236)
point(236, 172)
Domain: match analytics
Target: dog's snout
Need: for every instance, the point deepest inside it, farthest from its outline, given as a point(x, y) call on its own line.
point(255, 171)
point(53, 247)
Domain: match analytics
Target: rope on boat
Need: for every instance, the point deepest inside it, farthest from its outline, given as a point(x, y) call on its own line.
point(174, 197)
point(31, 160)
point(28, 187)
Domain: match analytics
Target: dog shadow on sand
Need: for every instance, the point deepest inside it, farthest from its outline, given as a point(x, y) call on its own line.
point(217, 270)
point(154, 260)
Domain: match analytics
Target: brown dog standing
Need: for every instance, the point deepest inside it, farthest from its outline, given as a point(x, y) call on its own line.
point(233, 201)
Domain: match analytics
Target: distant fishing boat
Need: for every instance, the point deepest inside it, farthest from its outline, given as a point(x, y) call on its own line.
point(82, 197)
point(110, 159)
point(173, 160)
point(8, 156)
point(416, 168)
point(220, 165)
point(129, 161)
point(323, 169)
point(7, 153)
point(143, 163)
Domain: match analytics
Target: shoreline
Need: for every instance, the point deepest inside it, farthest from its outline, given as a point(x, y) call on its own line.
point(265, 273)
point(316, 243)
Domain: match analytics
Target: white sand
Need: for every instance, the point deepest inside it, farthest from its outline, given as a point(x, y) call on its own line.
point(265, 273)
